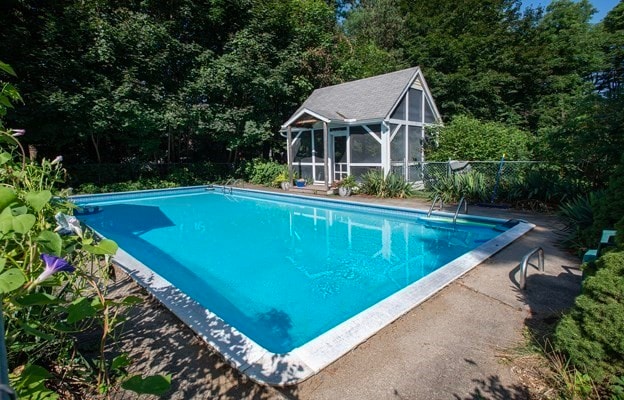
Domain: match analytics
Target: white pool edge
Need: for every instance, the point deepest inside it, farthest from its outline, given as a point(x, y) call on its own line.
point(305, 361)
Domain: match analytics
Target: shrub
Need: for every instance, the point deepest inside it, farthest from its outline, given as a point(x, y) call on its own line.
point(611, 207)
point(265, 172)
point(143, 184)
point(467, 138)
point(393, 185)
point(592, 333)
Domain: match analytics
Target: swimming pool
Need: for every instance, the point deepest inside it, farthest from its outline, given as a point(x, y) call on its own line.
point(283, 285)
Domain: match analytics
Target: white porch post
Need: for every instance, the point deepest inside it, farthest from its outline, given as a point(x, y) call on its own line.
point(385, 148)
point(325, 154)
point(289, 154)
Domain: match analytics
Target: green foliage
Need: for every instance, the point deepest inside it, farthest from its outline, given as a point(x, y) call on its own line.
point(265, 172)
point(592, 333)
point(44, 310)
point(348, 182)
point(467, 138)
point(164, 81)
point(532, 186)
point(123, 178)
point(8, 93)
point(30, 383)
point(472, 185)
point(374, 183)
point(578, 215)
point(617, 388)
point(146, 184)
point(611, 207)
point(156, 385)
point(280, 178)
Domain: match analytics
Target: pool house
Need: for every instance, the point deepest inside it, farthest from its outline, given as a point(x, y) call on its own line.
point(371, 123)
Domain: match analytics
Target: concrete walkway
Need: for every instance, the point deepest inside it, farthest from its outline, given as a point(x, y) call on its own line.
point(446, 348)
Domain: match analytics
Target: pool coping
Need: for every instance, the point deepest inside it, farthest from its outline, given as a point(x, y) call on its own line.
point(305, 361)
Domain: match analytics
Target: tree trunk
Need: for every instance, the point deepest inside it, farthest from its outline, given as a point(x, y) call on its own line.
point(96, 144)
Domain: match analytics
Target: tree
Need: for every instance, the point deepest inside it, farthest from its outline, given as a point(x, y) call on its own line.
point(467, 52)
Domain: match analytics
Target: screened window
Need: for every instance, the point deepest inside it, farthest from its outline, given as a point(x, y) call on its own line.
point(320, 172)
point(376, 129)
point(399, 113)
point(364, 147)
point(429, 117)
point(318, 145)
point(303, 171)
point(415, 105)
point(414, 144)
point(302, 148)
point(358, 172)
point(397, 146)
point(340, 149)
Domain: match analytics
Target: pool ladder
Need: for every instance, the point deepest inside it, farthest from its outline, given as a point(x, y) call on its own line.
point(461, 201)
point(229, 184)
point(435, 200)
point(525, 264)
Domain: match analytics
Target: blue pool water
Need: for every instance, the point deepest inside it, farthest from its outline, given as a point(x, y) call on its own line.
point(282, 270)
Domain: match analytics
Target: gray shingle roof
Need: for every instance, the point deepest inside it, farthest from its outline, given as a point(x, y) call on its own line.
point(368, 98)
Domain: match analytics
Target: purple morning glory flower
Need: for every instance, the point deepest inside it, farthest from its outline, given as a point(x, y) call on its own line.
point(54, 264)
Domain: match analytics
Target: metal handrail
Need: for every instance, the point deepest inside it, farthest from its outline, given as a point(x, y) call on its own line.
point(461, 201)
point(435, 200)
point(525, 263)
point(229, 184)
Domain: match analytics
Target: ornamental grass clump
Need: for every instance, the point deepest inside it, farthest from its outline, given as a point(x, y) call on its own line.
point(393, 185)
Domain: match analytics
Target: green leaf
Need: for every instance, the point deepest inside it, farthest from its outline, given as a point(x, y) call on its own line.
point(131, 300)
point(7, 196)
point(36, 299)
point(31, 329)
point(80, 309)
point(104, 247)
point(2, 263)
point(121, 361)
point(23, 223)
point(11, 279)
point(51, 242)
point(155, 384)
point(7, 68)
point(15, 211)
point(38, 200)
point(5, 157)
point(30, 384)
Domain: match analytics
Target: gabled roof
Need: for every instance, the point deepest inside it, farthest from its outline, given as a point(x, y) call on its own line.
point(364, 99)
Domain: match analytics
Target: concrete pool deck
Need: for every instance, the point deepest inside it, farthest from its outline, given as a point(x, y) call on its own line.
point(445, 348)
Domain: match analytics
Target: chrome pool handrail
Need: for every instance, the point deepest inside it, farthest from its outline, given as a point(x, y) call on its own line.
point(435, 200)
point(525, 263)
point(465, 203)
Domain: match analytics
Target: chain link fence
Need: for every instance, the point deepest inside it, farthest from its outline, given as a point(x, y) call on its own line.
point(432, 172)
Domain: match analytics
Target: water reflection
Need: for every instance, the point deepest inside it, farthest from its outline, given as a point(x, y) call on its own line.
point(330, 246)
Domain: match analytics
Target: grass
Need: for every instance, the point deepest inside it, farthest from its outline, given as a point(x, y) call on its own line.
point(545, 372)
